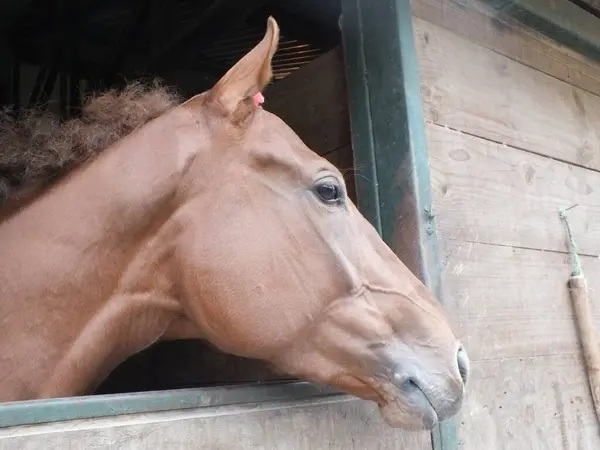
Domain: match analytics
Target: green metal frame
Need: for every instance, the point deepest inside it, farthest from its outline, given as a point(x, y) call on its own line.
point(94, 406)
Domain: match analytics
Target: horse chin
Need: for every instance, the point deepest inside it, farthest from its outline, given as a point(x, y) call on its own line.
point(397, 415)
point(410, 411)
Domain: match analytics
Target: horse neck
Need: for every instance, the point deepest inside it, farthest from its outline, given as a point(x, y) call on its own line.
point(73, 248)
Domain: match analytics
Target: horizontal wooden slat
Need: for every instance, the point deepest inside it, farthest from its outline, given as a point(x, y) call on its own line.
point(538, 403)
point(486, 192)
point(470, 88)
point(512, 303)
point(489, 27)
point(339, 424)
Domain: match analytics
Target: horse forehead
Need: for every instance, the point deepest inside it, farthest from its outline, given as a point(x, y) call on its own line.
point(273, 124)
point(272, 134)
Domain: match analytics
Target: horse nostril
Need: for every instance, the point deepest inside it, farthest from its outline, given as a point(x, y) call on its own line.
point(407, 384)
point(463, 364)
point(410, 385)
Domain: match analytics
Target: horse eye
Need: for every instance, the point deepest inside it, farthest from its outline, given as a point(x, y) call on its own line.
point(329, 192)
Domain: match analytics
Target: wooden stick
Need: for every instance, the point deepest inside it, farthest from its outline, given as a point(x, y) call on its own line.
point(584, 317)
point(587, 335)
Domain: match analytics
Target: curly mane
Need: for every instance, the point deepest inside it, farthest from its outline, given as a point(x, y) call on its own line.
point(37, 148)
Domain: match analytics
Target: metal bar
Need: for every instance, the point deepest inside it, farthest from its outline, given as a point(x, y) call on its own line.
point(74, 408)
point(44, 84)
point(74, 86)
point(367, 194)
point(389, 140)
point(562, 21)
point(14, 92)
point(63, 95)
point(37, 87)
point(48, 87)
point(74, 93)
point(307, 21)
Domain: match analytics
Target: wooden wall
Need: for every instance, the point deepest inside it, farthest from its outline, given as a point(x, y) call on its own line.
point(513, 125)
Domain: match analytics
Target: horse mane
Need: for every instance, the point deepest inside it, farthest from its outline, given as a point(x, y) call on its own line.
point(37, 147)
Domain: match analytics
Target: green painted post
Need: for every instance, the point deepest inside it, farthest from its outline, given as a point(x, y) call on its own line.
point(95, 406)
point(389, 140)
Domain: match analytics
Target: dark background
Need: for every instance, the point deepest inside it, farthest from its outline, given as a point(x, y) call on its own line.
point(48, 47)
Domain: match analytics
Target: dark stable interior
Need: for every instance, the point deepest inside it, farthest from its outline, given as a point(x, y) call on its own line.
point(52, 52)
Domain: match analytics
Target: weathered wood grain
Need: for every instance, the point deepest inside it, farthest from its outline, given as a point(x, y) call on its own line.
point(503, 245)
point(528, 404)
point(491, 28)
point(342, 424)
point(486, 192)
point(512, 303)
point(470, 88)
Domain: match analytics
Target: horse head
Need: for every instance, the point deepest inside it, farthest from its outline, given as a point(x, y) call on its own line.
point(275, 262)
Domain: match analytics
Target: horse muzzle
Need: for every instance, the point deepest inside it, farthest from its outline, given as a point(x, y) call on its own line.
point(421, 390)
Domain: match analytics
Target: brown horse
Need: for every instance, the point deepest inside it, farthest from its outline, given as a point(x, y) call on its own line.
point(208, 219)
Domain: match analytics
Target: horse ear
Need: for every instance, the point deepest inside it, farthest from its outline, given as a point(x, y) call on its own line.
point(236, 90)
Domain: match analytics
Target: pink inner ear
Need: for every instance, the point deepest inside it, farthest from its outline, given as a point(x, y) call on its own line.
point(259, 99)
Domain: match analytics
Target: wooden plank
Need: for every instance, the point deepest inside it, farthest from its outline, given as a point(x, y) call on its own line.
point(312, 100)
point(489, 193)
point(490, 27)
point(512, 303)
point(342, 424)
point(564, 22)
point(529, 404)
point(470, 88)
